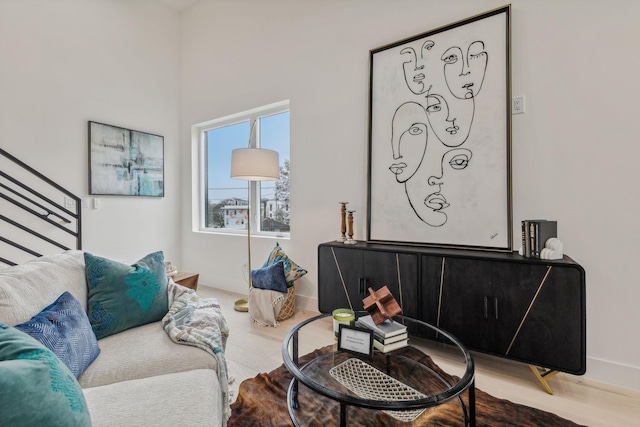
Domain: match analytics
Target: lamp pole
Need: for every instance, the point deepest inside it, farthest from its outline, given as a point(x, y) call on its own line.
point(252, 164)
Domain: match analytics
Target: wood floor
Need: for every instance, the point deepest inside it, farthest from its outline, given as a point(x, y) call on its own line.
point(252, 349)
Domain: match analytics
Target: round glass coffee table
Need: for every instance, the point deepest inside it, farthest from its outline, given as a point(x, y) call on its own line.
point(404, 387)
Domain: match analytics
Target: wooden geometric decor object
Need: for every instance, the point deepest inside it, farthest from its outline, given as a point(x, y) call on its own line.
point(381, 305)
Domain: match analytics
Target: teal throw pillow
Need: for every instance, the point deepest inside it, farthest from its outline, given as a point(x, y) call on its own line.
point(36, 388)
point(292, 271)
point(64, 328)
point(123, 296)
point(271, 277)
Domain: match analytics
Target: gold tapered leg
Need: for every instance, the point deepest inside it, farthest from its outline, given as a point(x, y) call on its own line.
point(543, 375)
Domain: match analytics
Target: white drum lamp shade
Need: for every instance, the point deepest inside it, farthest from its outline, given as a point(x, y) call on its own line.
point(255, 164)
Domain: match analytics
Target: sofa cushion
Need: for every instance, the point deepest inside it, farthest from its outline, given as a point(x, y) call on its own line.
point(64, 328)
point(141, 352)
point(36, 388)
point(271, 277)
point(190, 398)
point(292, 270)
point(122, 296)
point(27, 288)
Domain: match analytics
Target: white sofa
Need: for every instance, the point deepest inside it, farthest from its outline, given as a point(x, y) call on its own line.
point(140, 377)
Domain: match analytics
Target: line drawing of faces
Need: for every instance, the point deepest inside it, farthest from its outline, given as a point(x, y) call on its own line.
point(414, 64)
point(451, 121)
point(464, 74)
point(408, 140)
point(425, 191)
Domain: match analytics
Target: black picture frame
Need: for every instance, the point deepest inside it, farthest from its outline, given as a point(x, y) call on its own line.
point(439, 170)
point(355, 340)
point(125, 162)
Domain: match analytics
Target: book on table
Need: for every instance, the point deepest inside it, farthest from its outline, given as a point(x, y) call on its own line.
point(392, 339)
point(528, 236)
point(384, 330)
point(544, 230)
point(385, 348)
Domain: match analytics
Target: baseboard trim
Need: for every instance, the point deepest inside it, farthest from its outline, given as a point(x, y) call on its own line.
point(306, 303)
point(612, 374)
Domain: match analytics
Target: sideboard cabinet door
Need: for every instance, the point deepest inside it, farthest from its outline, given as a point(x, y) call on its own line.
point(431, 268)
point(512, 291)
point(350, 268)
point(398, 272)
point(553, 331)
point(339, 273)
point(465, 310)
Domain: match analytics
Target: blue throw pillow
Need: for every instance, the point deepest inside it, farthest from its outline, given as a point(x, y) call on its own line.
point(123, 296)
point(271, 277)
point(64, 328)
point(292, 271)
point(36, 388)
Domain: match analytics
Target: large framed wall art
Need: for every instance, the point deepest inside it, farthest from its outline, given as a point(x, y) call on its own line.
point(440, 137)
point(125, 162)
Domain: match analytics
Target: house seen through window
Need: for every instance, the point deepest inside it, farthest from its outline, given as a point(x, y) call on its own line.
point(225, 200)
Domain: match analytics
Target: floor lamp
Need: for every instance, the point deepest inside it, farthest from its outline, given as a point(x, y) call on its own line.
point(253, 164)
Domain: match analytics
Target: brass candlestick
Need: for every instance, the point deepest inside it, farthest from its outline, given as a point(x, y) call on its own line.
point(343, 224)
point(350, 240)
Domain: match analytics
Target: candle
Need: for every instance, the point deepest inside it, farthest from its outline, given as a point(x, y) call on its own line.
point(344, 316)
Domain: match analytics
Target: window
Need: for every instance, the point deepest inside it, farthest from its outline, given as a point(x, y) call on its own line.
point(225, 201)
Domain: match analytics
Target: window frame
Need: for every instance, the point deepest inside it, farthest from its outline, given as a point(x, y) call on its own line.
point(199, 162)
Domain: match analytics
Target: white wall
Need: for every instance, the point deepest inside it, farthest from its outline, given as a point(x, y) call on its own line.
point(65, 62)
point(574, 151)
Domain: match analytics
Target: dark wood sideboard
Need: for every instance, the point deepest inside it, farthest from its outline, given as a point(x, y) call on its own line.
point(500, 303)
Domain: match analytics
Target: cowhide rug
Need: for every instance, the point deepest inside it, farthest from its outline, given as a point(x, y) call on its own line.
point(262, 401)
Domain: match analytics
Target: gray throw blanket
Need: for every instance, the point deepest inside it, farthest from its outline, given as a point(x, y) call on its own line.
point(199, 322)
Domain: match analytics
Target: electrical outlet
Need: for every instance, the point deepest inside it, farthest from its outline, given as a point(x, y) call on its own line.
point(517, 104)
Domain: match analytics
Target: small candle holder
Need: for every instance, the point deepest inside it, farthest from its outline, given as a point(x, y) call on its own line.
point(350, 240)
point(343, 221)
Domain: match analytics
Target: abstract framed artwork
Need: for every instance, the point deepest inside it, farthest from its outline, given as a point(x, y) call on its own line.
point(125, 162)
point(440, 137)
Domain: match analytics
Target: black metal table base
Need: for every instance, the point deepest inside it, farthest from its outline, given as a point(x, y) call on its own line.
point(468, 417)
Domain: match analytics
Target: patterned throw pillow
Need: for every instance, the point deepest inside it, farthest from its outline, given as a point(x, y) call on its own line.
point(124, 296)
point(292, 271)
point(36, 388)
point(64, 328)
point(270, 277)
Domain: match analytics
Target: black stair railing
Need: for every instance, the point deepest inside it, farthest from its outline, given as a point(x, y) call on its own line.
point(30, 214)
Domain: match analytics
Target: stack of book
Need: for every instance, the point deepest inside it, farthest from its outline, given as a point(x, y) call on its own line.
point(535, 233)
point(387, 336)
